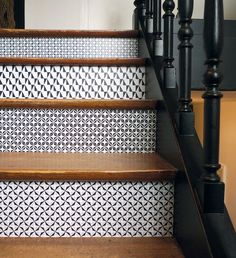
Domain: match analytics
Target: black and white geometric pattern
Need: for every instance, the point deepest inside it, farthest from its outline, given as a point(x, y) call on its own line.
point(77, 130)
point(69, 47)
point(73, 209)
point(72, 82)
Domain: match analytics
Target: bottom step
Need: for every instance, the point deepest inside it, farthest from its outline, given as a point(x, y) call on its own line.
point(89, 248)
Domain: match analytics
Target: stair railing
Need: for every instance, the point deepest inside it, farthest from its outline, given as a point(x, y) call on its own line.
point(149, 12)
point(206, 183)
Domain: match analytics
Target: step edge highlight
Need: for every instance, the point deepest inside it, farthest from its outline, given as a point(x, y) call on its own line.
point(79, 103)
point(73, 61)
point(68, 33)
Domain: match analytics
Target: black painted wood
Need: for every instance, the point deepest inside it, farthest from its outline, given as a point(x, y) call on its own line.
point(19, 13)
point(188, 225)
point(139, 13)
point(213, 38)
point(198, 55)
point(157, 29)
point(185, 34)
point(168, 67)
point(213, 189)
point(149, 16)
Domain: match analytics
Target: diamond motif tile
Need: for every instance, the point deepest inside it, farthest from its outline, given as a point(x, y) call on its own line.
point(69, 47)
point(72, 209)
point(77, 130)
point(72, 82)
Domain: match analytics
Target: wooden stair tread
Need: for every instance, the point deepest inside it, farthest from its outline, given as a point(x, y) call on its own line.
point(79, 103)
point(73, 61)
point(84, 166)
point(90, 247)
point(69, 33)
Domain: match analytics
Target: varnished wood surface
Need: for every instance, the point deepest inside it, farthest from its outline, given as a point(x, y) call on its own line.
point(73, 61)
point(84, 166)
point(68, 33)
point(89, 248)
point(79, 103)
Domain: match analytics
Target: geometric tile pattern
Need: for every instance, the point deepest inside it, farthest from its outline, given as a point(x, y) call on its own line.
point(97, 209)
point(69, 47)
point(77, 130)
point(72, 82)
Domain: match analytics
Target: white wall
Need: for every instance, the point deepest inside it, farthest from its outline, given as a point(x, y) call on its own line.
point(78, 14)
point(93, 14)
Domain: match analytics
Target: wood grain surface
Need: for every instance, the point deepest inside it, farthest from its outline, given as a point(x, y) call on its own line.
point(89, 248)
point(85, 166)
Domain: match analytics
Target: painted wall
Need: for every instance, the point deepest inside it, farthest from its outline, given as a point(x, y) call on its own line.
point(227, 144)
point(93, 14)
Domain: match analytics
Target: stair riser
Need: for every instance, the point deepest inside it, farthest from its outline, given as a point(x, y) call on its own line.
point(77, 130)
point(72, 82)
point(86, 209)
point(69, 47)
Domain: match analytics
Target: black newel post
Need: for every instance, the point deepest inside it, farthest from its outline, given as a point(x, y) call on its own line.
point(213, 39)
point(185, 34)
point(139, 13)
point(149, 16)
point(157, 20)
point(169, 70)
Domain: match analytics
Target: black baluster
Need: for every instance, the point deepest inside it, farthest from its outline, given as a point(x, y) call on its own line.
point(149, 16)
point(169, 70)
point(213, 40)
point(185, 34)
point(157, 20)
point(139, 13)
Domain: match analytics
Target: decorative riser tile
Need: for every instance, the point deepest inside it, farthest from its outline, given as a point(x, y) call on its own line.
point(77, 130)
point(72, 209)
point(99, 82)
point(69, 47)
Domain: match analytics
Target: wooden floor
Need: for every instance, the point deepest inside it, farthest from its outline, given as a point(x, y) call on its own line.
point(89, 248)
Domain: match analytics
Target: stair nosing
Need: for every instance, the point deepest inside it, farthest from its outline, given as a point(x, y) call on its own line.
point(74, 166)
point(79, 104)
point(73, 61)
point(69, 33)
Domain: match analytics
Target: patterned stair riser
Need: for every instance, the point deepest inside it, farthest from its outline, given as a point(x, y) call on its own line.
point(86, 209)
point(77, 130)
point(69, 47)
point(81, 82)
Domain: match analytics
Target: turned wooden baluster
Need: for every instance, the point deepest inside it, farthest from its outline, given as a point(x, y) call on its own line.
point(185, 34)
point(149, 16)
point(157, 21)
point(169, 70)
point(213, 41)
point(139, 13)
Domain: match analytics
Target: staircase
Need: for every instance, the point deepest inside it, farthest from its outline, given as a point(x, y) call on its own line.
point(80, 173)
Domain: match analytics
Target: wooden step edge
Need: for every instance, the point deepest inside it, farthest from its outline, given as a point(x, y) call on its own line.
point(30, 33)
point(85, 167)
point(79, 104)
point(84, 247)
point(73, 61)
